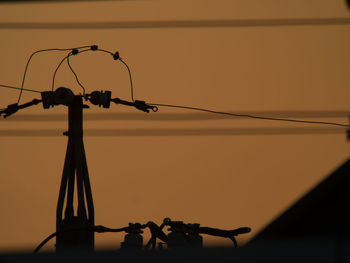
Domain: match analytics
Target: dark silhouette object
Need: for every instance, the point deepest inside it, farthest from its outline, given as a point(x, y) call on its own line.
point(132, 228)
point(322, 214)
point(13, 108)
point(348, 131)
point(133, 239)
point(75, 170)
point(182, 235)
point(156, 232)
point(348, 3)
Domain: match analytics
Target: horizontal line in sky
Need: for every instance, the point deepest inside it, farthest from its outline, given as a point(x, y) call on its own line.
point(49, 1)
point(140, 116)
point(179, 23)
point(177, 132)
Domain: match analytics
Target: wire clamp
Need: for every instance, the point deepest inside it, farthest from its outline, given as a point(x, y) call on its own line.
point(142, 105)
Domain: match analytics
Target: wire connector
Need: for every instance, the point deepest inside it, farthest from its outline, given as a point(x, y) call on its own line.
point(11, 109)
point(142, 105)
point(116, 55)
point(100, 98)
point(94, 47)
point(75, 51)
point(61, 96)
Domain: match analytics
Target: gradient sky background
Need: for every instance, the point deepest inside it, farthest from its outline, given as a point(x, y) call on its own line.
point(218, 181)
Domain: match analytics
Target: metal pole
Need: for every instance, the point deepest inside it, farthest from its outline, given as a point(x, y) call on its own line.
point(75, 171)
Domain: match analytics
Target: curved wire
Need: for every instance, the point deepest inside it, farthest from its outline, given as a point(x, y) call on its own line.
point(60, 64)
point(70, 67)
point(131, 85)
point(30, 58)
point(250, 116)
point(129, 71)
point(105, 51)
point(75, 75)
point(57, 68)
point(36, 250)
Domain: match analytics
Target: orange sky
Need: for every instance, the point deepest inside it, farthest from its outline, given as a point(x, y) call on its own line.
point(218, 181)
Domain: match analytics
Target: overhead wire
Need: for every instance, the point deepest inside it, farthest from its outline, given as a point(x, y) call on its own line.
point(250, 116)
point(178, 132)
point(75, 51)
point(12, 87)
point(30, 58)
point(181, 116)
point(55, 72)
point(131, 84)
point(66, 58)
point(75, 75)
point(127, 67)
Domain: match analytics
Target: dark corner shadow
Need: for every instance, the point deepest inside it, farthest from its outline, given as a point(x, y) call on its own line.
point(321, 214)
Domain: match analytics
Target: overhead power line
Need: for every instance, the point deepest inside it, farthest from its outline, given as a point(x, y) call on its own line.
point(249, 116)
point(176, 132)
point(196, 116)
point(179, 23)
point(12, 87)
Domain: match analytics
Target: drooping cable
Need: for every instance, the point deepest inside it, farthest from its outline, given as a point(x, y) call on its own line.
point(117, 57)
point(74, 52)
point(131, 84)
point(75, 75)
point(114, 55)
point(57, 68)
point(250, 116)
point(30, 58)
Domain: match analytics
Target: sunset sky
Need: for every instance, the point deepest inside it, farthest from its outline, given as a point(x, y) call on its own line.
point(225, 181)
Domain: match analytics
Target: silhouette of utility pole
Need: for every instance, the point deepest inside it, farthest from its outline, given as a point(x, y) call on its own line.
point(75, 171)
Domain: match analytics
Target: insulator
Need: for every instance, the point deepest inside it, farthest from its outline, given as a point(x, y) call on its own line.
point(101, 98)
point(63, 96)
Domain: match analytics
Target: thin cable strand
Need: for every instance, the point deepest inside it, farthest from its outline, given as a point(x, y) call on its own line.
point(129, 71)
point(110, 53)
point(57, 68)
point(12, 87)
point(250, 116)
point(106, 51)
point(60, 64)
point(131, 84)
point(75, 75)
point(30, 58)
